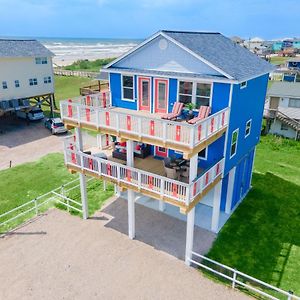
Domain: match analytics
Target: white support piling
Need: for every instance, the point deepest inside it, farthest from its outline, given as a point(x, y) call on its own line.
point(230, 190)
point(190, 223)
point(130, 193)
point(82, 177)
point(161, 205)
point(216, 207)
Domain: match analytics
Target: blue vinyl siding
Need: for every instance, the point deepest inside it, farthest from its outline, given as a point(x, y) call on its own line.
point(220, 96)
point(116, 92)
point(250, 101)
point(224, 192)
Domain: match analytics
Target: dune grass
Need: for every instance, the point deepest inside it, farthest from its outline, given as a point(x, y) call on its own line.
point(262, 238)
point(88, 65)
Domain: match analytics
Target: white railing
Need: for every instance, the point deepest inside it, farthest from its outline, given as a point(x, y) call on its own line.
point(34, 206)
point(162, 186)
point(181, 133)
point(238, 278)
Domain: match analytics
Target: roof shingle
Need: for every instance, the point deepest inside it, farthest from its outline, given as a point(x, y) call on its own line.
point(22, 48)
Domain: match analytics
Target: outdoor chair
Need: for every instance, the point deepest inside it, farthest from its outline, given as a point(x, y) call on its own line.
point(176, 112)
point(203, 113)
point(172, 173)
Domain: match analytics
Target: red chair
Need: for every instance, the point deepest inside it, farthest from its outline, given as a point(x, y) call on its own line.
point(203, 113)
point(176, 112)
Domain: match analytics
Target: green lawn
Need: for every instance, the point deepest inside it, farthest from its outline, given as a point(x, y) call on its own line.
point(262, 238)
point(27, 181)
point(277, 60)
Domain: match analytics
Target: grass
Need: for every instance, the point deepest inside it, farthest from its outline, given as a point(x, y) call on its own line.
point(25, 182)
point(87, 65)
point(262, 238)
point(278, 60)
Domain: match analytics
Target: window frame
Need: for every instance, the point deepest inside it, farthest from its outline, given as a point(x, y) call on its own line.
point(297, 100)
point(286, 127)
point(41, 60)
point(4, 85)
point(231, 144)
point(203, 157)
point(122, 88)
point(17, 83)
point(34, 81)
point(47, 79)
point(194, 91)
point(243, 84)
point(250, 127)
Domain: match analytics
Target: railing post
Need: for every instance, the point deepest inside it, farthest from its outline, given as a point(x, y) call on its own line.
point(233, 279)
point(140, 127)
point(164, 131)
point(36, 207)
point(117, 122)
point(81, 162)
point(97, 118)
point(139, 180)
point(192, 136)
point(78, 113)
point(104, 185)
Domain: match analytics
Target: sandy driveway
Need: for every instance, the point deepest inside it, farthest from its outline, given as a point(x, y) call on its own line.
point(59, 256)
point(21, 142)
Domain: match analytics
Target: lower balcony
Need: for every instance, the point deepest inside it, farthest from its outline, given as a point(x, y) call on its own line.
point(148, 177)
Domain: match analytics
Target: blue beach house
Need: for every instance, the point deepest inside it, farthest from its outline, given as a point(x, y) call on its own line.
point(183, 116)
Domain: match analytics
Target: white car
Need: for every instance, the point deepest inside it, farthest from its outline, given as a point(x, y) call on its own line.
point(32, 115)
point(55, 125)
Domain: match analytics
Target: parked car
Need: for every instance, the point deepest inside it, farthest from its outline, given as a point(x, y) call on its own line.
point(32, 115)
point(55, 125)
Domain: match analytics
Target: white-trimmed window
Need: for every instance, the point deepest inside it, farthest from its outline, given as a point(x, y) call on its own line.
point(41, 60)
point(4, 85)
point(243, 84)
point(234, 142)
point(203, 154)
point(284, 127)
point(33, 81)
point(248, 127)
point(194, 92)
point(47, 79)
point(294, 102)
point(17, 83)
point(128, 87)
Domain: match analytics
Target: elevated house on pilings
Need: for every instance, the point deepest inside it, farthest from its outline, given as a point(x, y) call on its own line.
point(26, 75)
point(198, 162)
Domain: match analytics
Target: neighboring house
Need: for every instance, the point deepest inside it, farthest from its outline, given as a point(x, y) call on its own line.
point(26, 74)
point(282, 109)
point(294, 63)
point(212, 157)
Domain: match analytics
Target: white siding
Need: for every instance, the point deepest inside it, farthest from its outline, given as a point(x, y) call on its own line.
point(276, 129)
point(22, 69)
point(173, 58)
point(284, 102)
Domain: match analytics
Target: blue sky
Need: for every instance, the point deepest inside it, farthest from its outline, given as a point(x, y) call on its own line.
point(140, 18)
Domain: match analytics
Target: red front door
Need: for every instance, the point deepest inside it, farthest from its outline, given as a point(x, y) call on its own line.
point(161, 95)
point(144, 93)
point(161, 151)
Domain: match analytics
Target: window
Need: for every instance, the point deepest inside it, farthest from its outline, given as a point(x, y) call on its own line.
point(33, 81)
point(194, 92)
point(234, 141)
point(185, 93)
point(41, 60)
point(128, 88)
point(47, 79)
point(203, 154)
point(202, 94)
point(17, 83)
point(284, 127)
point(294, 102)
point(243, 84)
point(4, 85)
point(248, 128)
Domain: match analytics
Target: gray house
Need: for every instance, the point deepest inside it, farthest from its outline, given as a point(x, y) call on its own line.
point(282, 109)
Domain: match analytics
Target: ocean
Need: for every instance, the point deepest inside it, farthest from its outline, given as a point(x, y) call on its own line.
point(68, 50)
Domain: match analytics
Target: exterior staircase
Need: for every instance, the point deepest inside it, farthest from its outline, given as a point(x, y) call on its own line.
point(293, 123)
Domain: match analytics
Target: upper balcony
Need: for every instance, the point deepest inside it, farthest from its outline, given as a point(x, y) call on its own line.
point(146, 177)
point(96, 113)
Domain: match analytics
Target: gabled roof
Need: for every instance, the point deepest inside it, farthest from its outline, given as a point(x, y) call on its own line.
point(22, 48)
point(284, 89)
point(216, 50)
